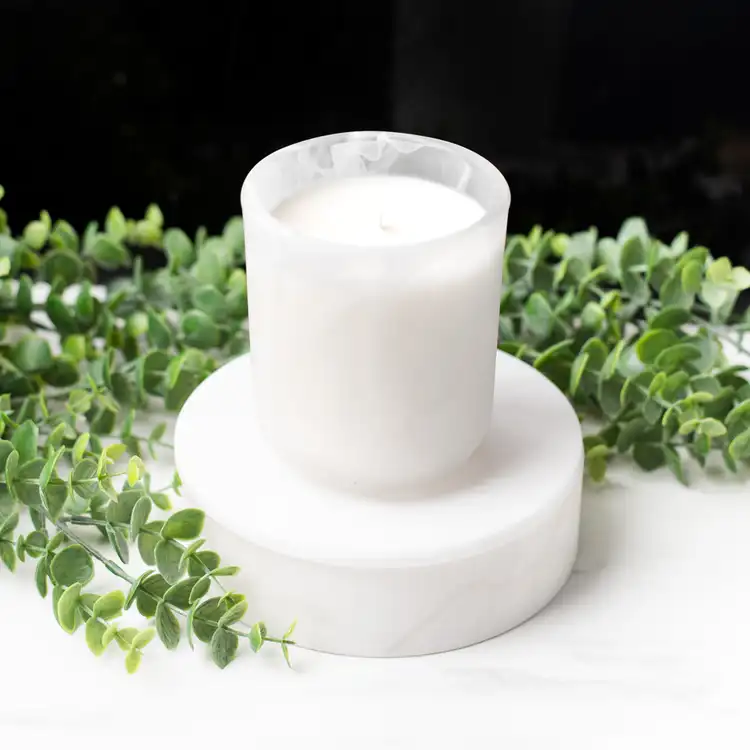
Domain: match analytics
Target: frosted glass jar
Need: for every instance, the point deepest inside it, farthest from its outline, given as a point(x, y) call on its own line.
point(374, 305)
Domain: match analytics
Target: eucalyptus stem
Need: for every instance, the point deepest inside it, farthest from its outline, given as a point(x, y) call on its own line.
point(79, 520)
point(115, 569)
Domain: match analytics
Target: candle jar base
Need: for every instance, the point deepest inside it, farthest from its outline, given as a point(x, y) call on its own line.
point(451, 564)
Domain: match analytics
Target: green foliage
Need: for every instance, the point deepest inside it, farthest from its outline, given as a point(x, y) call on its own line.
point(633, 331)
point(70, 389)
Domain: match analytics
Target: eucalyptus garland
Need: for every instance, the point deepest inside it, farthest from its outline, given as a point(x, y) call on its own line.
point(631, 329)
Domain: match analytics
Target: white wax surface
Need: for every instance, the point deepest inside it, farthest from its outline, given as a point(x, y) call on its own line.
point(378, 210)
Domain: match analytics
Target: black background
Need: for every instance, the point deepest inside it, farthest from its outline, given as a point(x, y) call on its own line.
point(594, 109)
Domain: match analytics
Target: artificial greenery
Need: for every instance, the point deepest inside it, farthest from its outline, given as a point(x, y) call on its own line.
point(75, 369)
point(629, 328)
point(632, 330)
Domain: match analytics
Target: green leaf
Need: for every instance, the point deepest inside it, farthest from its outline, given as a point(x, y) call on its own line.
point(159, 334)
point(688, 426)
point(223, 647)
point(189, 626)
point(593, 316)
point(677, 355)
point(147, 541)
point(158, 432)
point(72, 565)
point(6, 448)
point(234, 234)
point(79, 447)
point(115, 224)
point(49, 468)
point(40, 577)
point(674, 463)
point(538, 315)
point(25, 441)
point(256, 636)
point(552, 353)
point(161, 500)
point(139, 517)
point(135, 587)
point(659, 381)
point(168, 557)
point(133, 661)
point(235, 614)
point(633, 227)
point(20, 548)
point(109, 253)
point(576, 372)
point(285, 651)
point(609, 368)
point(57, 592)
point(35, 235)
point(597, 352)
point(191, 550)
point(227, 571)
point(206, 613)
point(67, 607)
point(649, 456)
point(79, 401)
point(167, 626)
point(154, 215)
point(652, 411)
point(24, 301)
point(179, 248)
point(200, 589)
point(8, 555)
point(653, 342)
point(179, 594)
point(210, 301)
point(143, 638)
point(8, 524)
point(712, 428)
point(632, 253)
point(110, 605)
point(125, 637)
point(60, 315)
point(719, 271)
point(692, 277)
point(11, 469)
point(185, 524)
point(739, 448)
point(136, 469)
point(672, 293)
point(739, 412)
point(62, 266)
point(84, 478)
point(95, 631)
point(631, 432)
point(290, 631)
point(199, 330)
point(151, 590)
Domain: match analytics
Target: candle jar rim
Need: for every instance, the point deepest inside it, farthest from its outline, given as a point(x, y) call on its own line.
point(496, 205)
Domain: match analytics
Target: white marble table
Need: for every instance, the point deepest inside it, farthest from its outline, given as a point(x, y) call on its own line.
point(647, 644)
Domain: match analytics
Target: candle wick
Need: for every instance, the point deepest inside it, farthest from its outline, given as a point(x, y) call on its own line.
point(383, 224)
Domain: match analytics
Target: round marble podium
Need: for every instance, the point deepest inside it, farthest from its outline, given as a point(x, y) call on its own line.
point(453, 564)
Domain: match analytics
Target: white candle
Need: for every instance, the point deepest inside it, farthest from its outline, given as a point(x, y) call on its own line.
point(378, 210)
point(374, 302)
